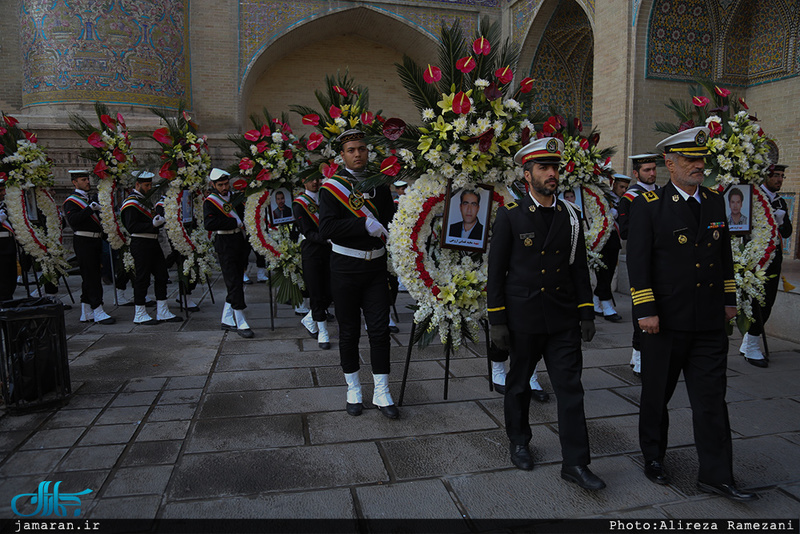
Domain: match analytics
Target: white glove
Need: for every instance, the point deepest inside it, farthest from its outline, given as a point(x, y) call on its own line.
point(95, 206)
point(614, 213)
point(779, 216)
point(375, 228)
point(3, 217)
point(239, 222)
point(158, 220)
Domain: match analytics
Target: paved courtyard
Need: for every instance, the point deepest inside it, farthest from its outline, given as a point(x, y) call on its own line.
point(186, 421)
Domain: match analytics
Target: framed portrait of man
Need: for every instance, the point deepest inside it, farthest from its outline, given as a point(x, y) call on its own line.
point(465, 224)
point(738, 208)
point(574, 195)
point(280, 206)
point(187, 206)
point(31, 208)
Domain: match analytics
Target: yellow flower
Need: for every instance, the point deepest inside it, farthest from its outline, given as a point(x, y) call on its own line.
point(333, 128)
point(442, 127)
point(497, 106)
point(446, 103)
point(354, 121)
point(507, 143)
point(425, 143)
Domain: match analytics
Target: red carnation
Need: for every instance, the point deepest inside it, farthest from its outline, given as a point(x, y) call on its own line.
point(526, 85)
point(166, 173)
point(466, 64)
point(461, 104)
point(505, 74)
point(30, 136)
point(390, 166)
point(367, 118)
point(10, 121)
point(96, 140)
point(334, 112)
point(246, 164)
point(119, 155)
point(340, 90)
point(108, 121)
point(314, 140)
point(312, 119)
point(481, 46)
point(264, 175)
point(435, 290)
point(700, 101)
point(432, 74)
point(162, 136)
point(252, 135)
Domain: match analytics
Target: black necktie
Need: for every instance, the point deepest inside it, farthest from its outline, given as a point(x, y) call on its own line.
point(694, 205)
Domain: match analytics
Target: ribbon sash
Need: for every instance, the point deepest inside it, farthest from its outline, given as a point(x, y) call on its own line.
point(309, 206)
point(223, 206)
point(353, 201)
point(77, 199)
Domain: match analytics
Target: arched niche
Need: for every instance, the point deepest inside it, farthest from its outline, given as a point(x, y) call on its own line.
point(362, 40)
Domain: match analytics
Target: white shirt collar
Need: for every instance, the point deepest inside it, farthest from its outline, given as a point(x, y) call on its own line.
point(647, 187)
point(82, 193)
point(686, 195)
point(315, 196)
point(770, 195)
point(539, 204)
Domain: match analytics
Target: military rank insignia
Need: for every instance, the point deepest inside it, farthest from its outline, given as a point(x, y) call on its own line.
point(682, 239)
point(650, 196)
point(675, 198)
point(511, 205)
point(227, 208)
point(716, 234)
point(532, 208)
point(527, 239)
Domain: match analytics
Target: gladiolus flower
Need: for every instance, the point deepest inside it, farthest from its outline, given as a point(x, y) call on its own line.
point(166, 173)
point(339, 90)
point(312, 119)
point(393, 129)
point(390, 166)
point(246, 164)
point(741, 101)
point(96, 140)
point(100, 169)
point(264, 175)
point(461, 104)
point(466, 64)
point(481, 46)
point(10, 121)
point(700, 101)
point(314, 140)
point(721, 91)
point(329, 170)
point(505, 74)
point(162, 136)
point(30, 136)
point(570, 167)
point(334, 112)
point(252, 135)
point(526, 85)
point(432, 74)
point(367, 118)
point(239, 184)
point(119, 155)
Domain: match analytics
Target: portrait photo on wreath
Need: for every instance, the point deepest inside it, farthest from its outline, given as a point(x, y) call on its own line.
point(738, 206)
point(574, 195)
point(187, 209)
point(31, 208)
point(466, 212)
point(280, 206)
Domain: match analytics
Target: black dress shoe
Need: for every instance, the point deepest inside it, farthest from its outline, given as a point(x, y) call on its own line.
point(729, 491)
point(354, 409)
point(521, 457)
point(324, 345)
point(539, 395)
point(108, 320)
point(654, 471)
point(394, 329)
point(616, 318)
point(227, 327)
point(499, 389)
point(758, 363)
point(580, 475)
point(390, 411)
point(245, 333)
point(175, 319)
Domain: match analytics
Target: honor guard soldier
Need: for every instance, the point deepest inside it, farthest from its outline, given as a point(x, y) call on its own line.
point(83, 215)
point(316, 258)
point(540, 305)
point(220, 217)
point(142, 224)
point(644, 171)
point(8, 250)
point(355, 221)
point(681, 272)
point(751, 347)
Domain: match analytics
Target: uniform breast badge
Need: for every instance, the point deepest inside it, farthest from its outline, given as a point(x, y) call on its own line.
point(558, 207)
point(532, 208)
point(227, 208)
point(312, 208)
point(682, 239)
point(675, 198)
point(356, 201)
point(716, 234)
point(527, 239)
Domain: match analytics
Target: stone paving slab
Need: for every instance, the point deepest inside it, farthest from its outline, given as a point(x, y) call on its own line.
point(765, 461)
point(128, 414)
point(140, 507)
point(326, 504)
point(72, 418)
point(108, 434)
point(180, 396)
point(542, 493)
point(760, 417)
point(245, 433)
point(333, 376)
point(604, 403)
point(32, 462)
point(152, 453)
point(424, 499)
point(260, 380)
point(144, 385)
point(614, 435)
point(54, 439)
point(145, 480)
point(263, 347)
point(255, 361)
point(771, 504)
point(414, 421)
point(769, 385)
point(172, 412)
point(85, 458)
point(251, 472)
point(163, 430)
point(284, 401)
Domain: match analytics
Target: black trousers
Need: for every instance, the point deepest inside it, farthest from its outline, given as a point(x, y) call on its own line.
point(148, 259)
point(564, 360)
point(636, 338)
point(352, 293)
point(89, 252)
point(605, 276)
point(702, 356)
point(233, 252)
point(8, 268)
point(771, 293)
point(317, 276)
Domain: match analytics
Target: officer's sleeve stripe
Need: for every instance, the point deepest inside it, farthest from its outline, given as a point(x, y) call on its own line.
point(497, 309)
point(585, 304)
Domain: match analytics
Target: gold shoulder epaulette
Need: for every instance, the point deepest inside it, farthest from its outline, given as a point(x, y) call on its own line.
point(712, 190)
point(511, 205)
point(650, 196)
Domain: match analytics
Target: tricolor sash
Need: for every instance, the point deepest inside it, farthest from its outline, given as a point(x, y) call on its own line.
point(79, 200)
point(222, 205)
point(353, 200)
point(309, 206)
point(133, 202)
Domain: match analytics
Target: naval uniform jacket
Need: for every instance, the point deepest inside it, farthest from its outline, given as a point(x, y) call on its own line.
point(306, 216)
point(679, 269)
point(137, 216)
point(624, 208)
point(345, 228)
point(785, 230)
point(532, 287)
point(79, 215)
